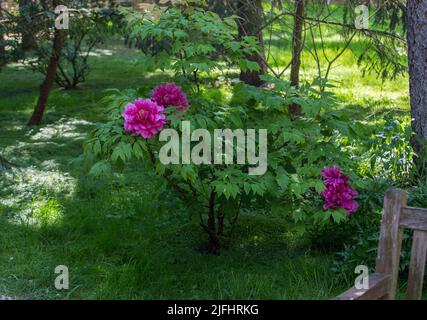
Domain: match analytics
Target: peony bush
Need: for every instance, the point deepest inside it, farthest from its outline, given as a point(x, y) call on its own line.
point(297, 150)
point(302, 153)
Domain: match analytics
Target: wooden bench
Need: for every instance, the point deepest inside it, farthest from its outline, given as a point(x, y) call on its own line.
point(396, 216)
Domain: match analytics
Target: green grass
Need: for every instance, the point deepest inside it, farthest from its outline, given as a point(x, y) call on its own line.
point(364, 96)
point(123, 238)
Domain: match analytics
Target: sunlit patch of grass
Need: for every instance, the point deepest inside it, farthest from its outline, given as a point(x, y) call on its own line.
point(353, 88)
point(43, 211)
point(61, 129)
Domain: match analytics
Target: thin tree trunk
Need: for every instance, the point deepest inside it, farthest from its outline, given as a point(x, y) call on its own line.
point(295, 109)
point(250, 23)
point(2, 49)
point(2, 39)
point(417, 57)
point(49, 80)
point(214, 244)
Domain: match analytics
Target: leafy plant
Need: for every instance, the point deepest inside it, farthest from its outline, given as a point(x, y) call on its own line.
point(192, 41)
point(297, 152)
point(362, 250)
point(388, 152)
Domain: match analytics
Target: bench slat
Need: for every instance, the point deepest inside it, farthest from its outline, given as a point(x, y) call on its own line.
point(379, 285)
point(388, 256)
point(417, 266)
point(414, 218)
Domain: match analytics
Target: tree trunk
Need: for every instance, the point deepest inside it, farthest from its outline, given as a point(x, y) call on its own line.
point(28, 39)
point(2, 39)
point(249, 23)
point(295, 109)
point(214, 243)
point(417, 58)
point(2, 50)
point(49, 80)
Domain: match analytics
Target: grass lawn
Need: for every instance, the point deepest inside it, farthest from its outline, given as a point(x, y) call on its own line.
point(123, 238)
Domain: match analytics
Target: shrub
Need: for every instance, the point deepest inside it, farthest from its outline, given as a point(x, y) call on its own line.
point(388, 152)
point(192, 41)
point(297, 150)
point(384, 159)
point(297, 153)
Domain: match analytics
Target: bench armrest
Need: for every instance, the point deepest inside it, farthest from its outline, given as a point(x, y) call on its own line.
point(379, 285)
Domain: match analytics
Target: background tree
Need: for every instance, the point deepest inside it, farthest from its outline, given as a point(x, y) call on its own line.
point(27, 9)
point(417, 55)
point(2, 39)
point(297, 42)
point(87, 30)
point(49, 79)
point(250, 20)
point(294, 108)
point(379, 50)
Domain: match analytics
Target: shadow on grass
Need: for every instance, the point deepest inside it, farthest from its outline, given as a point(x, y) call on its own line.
point(130, 240)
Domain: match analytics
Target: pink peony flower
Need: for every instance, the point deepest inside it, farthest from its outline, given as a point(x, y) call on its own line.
point(338, 193)
point(333, 176)
point(340, 196)
point(144, 118)
point(170, 95)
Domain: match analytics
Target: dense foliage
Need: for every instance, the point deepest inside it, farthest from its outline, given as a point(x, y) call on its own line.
point(298, 148)
point(193, 42)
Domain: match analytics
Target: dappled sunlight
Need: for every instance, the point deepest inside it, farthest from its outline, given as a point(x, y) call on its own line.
point(52, 139)
point(33, 172)
point(43, 211)
point(375, 95)
point(22, 64)
point(64, 128)
point(28, 182)
point(101, 52)
point(18, 65)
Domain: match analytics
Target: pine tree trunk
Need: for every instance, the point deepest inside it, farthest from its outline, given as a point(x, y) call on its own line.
point(49, 80)
point(249, 23)
point(28, 40)
point(417, 57)
point(2, 49)
point(2, 39)
point(295, 109)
